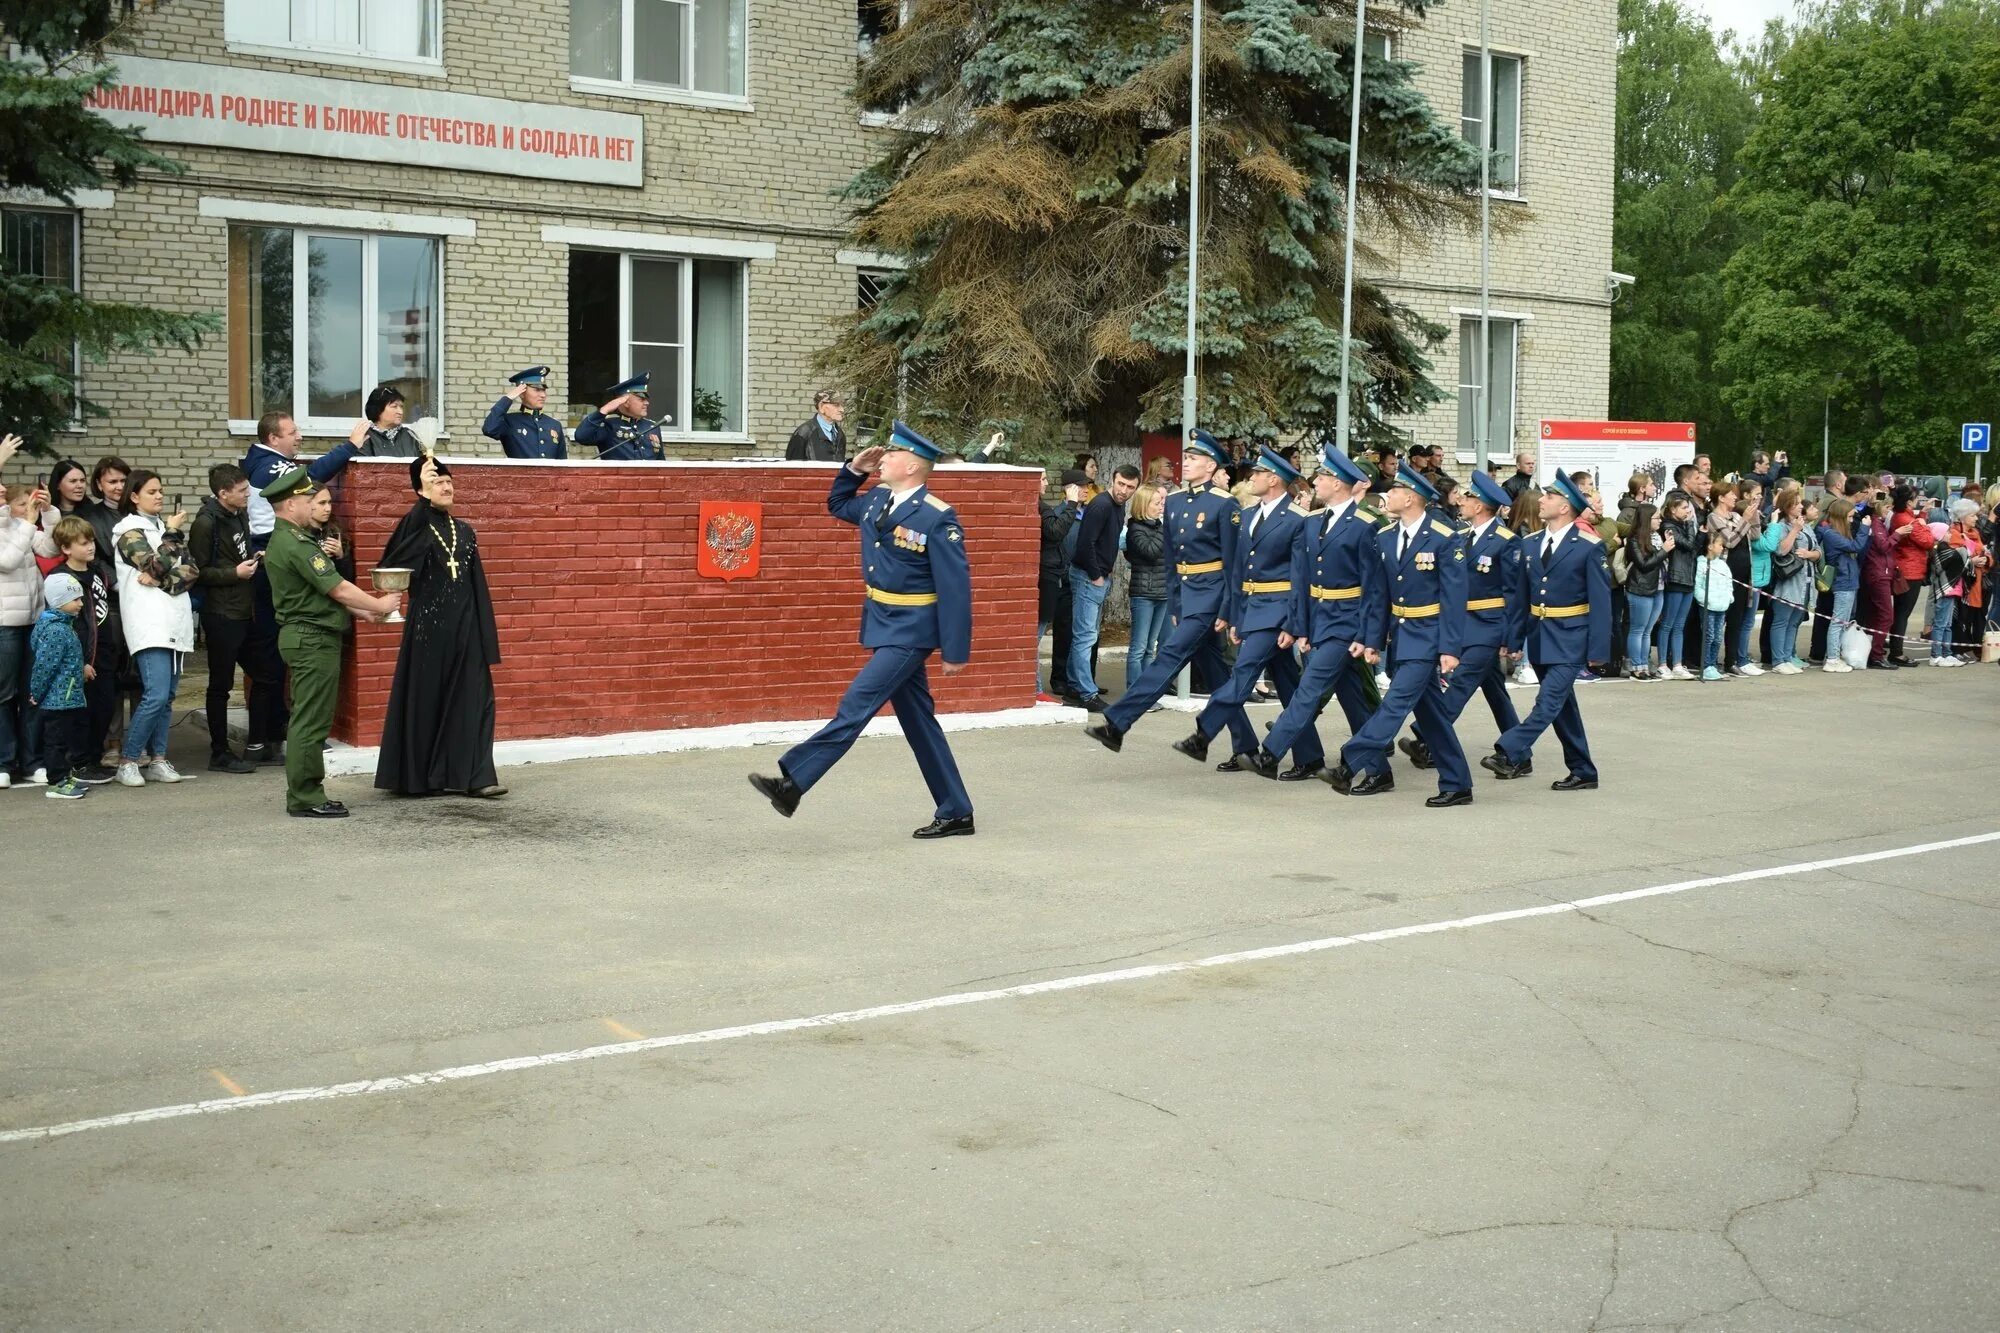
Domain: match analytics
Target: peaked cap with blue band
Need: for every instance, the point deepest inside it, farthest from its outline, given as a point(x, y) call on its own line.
point(902, 437)
point(1270, 460)
point(1407, 476)
point(1568, 490)
point(1201, 442)
point(1345, 470)
point(533, 376)
point(1491, 492)
point(639, 384)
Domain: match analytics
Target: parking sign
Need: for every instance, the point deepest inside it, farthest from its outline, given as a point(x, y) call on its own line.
point(1975, 437)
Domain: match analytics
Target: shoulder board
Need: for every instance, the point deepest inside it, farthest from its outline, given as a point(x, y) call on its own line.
point(936, 503)
point(1506, 533)
point(1217, 490)
point(1300, 510)
point(1587, 537)
point(1443, 529)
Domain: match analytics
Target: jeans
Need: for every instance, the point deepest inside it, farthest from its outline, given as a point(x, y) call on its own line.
point(1087, 603)
point(14, 705)
point(1944, 619)
point(1673, 625)
point(1643, 613)
point(1149, 623)
point(1713, 625)
point(1784, 621)
point(159, 677)
point(1843, 611)
point(1744, 626)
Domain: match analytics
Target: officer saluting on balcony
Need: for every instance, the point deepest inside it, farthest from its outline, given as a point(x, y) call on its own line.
point(528, 433)
point(623, 430)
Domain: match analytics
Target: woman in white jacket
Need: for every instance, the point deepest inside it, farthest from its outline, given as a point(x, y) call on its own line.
point(20, 603)
point(154, 574)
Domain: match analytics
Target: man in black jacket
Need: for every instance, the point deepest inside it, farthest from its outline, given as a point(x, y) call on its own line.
point(1090, 579)
point(820, 440)
point(1059, 520)
point(219, 545)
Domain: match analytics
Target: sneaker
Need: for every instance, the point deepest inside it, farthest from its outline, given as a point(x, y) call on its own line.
point(69, 789)
point(128, 775)
point(5, 781)
point(1749, 669)
point(1711, 675)
point(93, 775)
point(229, 763)
point(1587, 674)
point(1947, 661)
point(1789, 669)
point(38, 778)
point(162, 771)
point(1836, 665)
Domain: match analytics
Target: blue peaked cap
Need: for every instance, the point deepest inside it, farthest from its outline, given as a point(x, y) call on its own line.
point(1201, 442)
point(1491, 491)
point(639, 384)
point(902, 437)
point(1408, 476)
point(1340, 465)
point(1270, 460)
point(533, 376)
point(1568, 490)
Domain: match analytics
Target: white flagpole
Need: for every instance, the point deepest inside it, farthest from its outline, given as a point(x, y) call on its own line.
point(1188, 403)
point(1341, 420)
point(1482, 423)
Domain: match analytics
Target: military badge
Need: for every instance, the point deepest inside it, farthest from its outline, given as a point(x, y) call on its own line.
point(1485, 565)
point(319, 564)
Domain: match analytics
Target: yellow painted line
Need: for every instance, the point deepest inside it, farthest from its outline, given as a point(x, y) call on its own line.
point(619, 1030)
point(229, 1085)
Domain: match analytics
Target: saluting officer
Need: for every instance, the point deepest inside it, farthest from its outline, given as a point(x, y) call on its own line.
point(623, 430)
point(313, 603)
point(530, 432)
point(918, 587)
point(1496, 610)
point(1260, 619)
point(1202, 524)
point(1338, 575)
point(1567, 584)
point(1423, 618)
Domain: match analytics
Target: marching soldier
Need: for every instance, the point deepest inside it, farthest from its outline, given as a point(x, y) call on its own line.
point(313, 603)
point(528, 433)
point(1567, 583)
point(919, 591)
point(1260, 613)
point(1339, 574)
point(1423, 619)
point(1202, 525)
point(623, 431)
point(1495, 611)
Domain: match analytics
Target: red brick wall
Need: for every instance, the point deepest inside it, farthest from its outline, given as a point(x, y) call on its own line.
point(605, 626)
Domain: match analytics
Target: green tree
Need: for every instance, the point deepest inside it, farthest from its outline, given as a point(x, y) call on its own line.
point(1040, 200)
point(1872, 278)
point(1683, 114)
point(53, 144)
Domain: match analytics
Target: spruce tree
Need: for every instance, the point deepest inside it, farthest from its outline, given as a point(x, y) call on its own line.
point(53, 144)
point(1037, 188)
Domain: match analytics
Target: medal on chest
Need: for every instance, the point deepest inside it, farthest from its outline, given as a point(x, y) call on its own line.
point(909, 539)
point(1425, 560)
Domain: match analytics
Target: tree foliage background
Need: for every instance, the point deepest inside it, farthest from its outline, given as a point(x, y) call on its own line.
point(52, 144)
point(1040, 200)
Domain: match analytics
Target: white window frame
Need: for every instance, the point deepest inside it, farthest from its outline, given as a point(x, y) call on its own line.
point(626, 86)
point(1518, 323)
point(347, 57)
point(1520, 59)
point(55, 208)
point(683, 411)
point(863, 48)
point(329, 427)
point(1388, 40)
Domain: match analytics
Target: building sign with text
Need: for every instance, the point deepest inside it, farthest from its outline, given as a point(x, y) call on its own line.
point(225, 106)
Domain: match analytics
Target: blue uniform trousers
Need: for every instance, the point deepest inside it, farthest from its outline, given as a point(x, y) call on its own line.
point(894, 676)
point(1326, 668)
point(1555, 705)
point(1257, 653)
point(1193, 638)
point(1413, 691)
point(1480, 670)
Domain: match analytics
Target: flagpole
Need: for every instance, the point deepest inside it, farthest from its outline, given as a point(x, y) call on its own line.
point(1341, 420)
point(1482, 421)
point(1188, 403)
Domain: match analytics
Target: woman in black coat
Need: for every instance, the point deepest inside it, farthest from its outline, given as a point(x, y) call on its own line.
point(1145, 553)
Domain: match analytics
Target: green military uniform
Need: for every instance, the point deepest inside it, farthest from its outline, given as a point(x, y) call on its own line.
point(311, 630)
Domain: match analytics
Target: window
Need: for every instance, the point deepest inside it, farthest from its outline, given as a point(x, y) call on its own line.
point(41, 244)
point(319, 318)
point(876, 19)
point(1378, 45)
point(1501, 372)
point(686, 45)
point(679, 318)
point(1504, 143)
point(387, 29)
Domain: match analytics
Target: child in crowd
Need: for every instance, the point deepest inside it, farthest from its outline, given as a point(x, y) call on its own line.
point(76, 539)
point(1714, 593)
point(56, 685)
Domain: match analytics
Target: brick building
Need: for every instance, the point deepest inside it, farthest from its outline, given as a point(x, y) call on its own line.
point(435, 193)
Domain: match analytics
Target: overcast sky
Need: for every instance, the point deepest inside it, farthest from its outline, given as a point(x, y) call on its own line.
point(1747, 17)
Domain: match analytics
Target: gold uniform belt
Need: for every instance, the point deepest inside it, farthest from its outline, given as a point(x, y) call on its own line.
point(1415, 612)
point(1281, 585)
point(1486, 604)
point(875, 594)
point(1205, 567)
point(1335, 594)
point(1559, 612)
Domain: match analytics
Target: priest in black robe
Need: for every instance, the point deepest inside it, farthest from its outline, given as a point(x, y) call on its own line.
point(439, 733)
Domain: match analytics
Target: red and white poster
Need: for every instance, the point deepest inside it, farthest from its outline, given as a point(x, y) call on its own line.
point(1609, 452)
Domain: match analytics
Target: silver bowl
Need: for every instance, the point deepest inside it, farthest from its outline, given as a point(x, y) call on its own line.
point(391, 579)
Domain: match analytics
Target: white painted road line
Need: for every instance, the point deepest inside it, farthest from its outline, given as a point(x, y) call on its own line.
point(401, 1082)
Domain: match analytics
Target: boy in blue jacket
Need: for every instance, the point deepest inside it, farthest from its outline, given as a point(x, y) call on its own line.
point(56, 685)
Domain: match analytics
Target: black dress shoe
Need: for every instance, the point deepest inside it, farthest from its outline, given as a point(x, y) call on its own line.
point(782, 792)
point(1500, 766)
point(492, 792)
point(1372, 784)
point(1194, 747)
point(1106, 735)
point(1339, 777)
point(324, 810)
point(1300, 772)
point(1419, 753)
point(1097, 703)
point(1446, 799)
point(1263, 763)
point(1572, 782)
point(960, 827)
point(1238, 763)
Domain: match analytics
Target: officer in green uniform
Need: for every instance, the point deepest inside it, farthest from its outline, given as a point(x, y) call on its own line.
point(313, 603)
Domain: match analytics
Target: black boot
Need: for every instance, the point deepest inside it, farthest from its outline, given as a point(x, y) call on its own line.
point(782, 792)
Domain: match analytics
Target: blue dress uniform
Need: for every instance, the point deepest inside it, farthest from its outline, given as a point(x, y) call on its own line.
point(1338, 574)
point(1260, 608)
point(1568, 596)
point(919, 601)
point(619, 438)
point(1423, 619)
point(1496, 612)
point(1202, 525)
point(530, 432)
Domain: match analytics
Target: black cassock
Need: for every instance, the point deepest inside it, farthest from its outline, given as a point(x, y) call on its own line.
point(439, 733)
